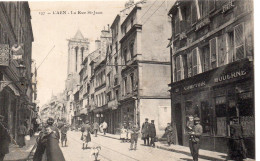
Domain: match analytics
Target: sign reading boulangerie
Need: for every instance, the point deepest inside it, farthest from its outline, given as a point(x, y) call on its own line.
point(231, 75)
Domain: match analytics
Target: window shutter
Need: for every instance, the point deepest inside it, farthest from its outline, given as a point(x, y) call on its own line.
point(181, 68)
point(239, 42)
point(213, 53)
point(194, 62)
point(193, 12)
point(173, 69)
point(222, 50)
point(178, 68)
point(189, 64)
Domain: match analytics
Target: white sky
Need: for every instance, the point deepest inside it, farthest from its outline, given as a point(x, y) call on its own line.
point(50, 30)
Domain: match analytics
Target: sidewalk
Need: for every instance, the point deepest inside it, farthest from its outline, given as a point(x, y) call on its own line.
point(203, 154)
point(20, 154)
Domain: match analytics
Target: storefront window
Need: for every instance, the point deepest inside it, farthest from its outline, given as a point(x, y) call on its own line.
point(221, 116)
point(246, 113)
point(206, 117)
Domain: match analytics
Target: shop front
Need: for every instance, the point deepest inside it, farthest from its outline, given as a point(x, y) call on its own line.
point(215, 96)
point(127, 112)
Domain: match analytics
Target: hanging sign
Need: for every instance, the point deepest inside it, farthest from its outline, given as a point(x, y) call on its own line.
point(4, 55)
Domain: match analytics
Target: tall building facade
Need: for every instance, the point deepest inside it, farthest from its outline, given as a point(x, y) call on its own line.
point(212, 69)
point(138, 67)
point(16, 87)
point(78, 49)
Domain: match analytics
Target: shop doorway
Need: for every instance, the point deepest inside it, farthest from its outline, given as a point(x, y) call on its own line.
point(178, 121)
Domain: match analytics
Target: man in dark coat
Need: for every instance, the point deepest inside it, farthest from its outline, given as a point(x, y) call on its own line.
point(237, 150)
point(64, 131)
point(194, 141)
point(145, 132)
point(95, 128)
point(152, 133)
point(170, 134)
point(22, 131)
point(4, 138)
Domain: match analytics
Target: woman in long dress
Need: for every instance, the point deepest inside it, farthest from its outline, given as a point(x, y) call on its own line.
point(22, 131)
point(48, 144)
point(86, 135)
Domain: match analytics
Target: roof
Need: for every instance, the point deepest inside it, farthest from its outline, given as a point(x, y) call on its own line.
point(78, 35)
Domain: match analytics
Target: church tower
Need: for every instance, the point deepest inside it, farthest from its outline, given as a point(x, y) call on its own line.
point(78, 50)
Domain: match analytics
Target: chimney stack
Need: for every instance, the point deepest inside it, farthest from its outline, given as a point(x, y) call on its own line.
point(97, 44)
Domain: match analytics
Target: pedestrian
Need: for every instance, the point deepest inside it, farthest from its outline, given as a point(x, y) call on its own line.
point(5, 138)
point(86, 135)
point(152, 133)
point(169, 132)
point(194, 139)
point(82, 131)
point(123, 133)
point(104, 127)
point(64, 131)
point(236, 145)
point(134, 137)
point(95, 128)
point(48, 144)
point(22, 131)
point(101, 128)
point(145, 132)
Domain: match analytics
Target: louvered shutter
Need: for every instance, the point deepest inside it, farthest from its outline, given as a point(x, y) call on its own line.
point(177, 24)
point(193, 12)
point(213, 53)
point(189, 64)
point(239, 42)
point(173, 69)
point(196, 63)
point(222, 50)
point(178, 68)
point(182, 67)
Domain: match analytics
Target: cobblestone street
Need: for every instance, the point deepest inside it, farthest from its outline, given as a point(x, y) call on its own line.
point(114, 150)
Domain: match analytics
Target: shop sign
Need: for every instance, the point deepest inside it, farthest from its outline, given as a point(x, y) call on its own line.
point(203, 23)
point(196, 85)
point(228, 6)
point(230, 76)
point(4, 55)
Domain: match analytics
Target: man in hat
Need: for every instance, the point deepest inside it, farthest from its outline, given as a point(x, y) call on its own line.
point(4, 138)
point(95, 128)
point(152, 133)
point(145, 132)
point(64, 130)
point(194, 141)
point(169, 132)
point(237, 150)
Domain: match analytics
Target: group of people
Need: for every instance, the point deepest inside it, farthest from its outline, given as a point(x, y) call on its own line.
point(149, 133)
point(48, 143)
point(130, 133)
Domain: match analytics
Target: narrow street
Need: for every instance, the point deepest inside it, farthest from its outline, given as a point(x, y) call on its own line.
point(113, 150)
